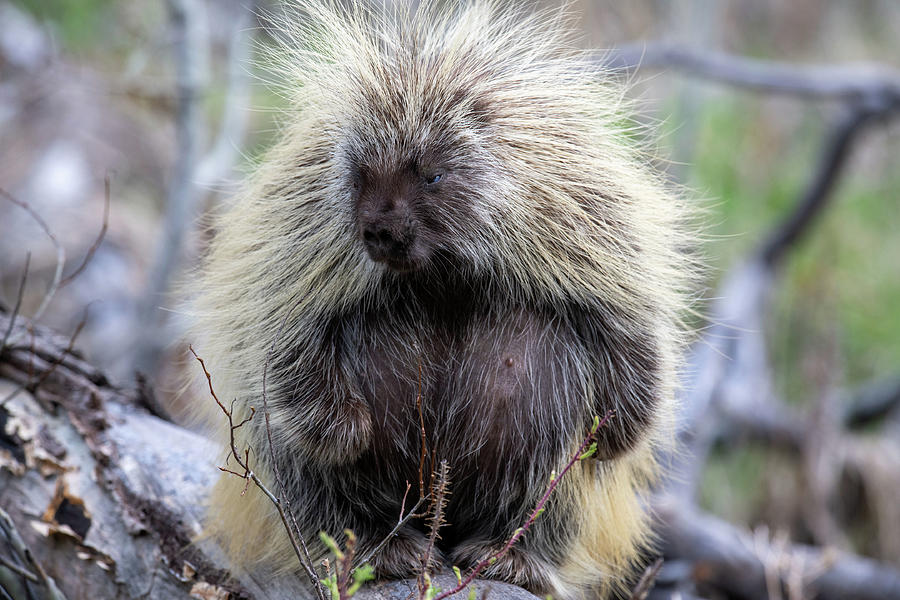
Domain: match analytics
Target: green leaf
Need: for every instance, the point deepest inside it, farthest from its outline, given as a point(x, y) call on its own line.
point(361, 575)
point(331, 545)
point(591, 450)
point(458, 574)
point(330, 582)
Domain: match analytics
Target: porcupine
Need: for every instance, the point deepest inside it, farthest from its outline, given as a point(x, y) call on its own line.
point(454, 213)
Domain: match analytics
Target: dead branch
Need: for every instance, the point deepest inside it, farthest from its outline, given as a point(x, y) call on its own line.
point(818, 191)
point(243, 461)
point(60, 251)
point(97, 241)
point(18, 305)
point(728, 560)
point(182, 197)
point(730, 391)
point(872, 403)
point(856, 83)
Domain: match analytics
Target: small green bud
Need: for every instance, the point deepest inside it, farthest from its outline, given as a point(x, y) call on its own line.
point(331, 545)
point(591, 450)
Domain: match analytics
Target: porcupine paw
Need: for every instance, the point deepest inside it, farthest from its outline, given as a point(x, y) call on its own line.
point(404, 554)
point(340, 436)
point(517, 566)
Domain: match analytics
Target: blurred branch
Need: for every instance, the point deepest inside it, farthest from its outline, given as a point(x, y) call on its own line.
point(818, 190)
point(97, 241)
point(218, 162)
point(857, 82)
point(60, 252)
point(743, 566)
point(186, 17)
point(193, 173)
point(873, 402)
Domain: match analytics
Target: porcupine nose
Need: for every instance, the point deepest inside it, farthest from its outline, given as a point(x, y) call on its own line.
point(383, 241)
point(386, 233)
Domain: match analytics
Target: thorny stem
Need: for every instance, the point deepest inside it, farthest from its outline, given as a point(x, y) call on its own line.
point(538, 509)
point(437, 520)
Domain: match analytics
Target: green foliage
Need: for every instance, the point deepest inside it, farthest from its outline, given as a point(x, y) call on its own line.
point(79, 21)
point(360, 576)
point(591, 450)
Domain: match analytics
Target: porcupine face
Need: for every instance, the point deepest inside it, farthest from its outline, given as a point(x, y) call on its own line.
point(414, 159)
point(398, 212)
point(416, 204)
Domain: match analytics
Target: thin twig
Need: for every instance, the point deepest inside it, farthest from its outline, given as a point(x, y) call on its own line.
point(422, 433)
point(60, 252)
point(404, 519)
point(18, 305)
point(289, 523)
point(99, 239)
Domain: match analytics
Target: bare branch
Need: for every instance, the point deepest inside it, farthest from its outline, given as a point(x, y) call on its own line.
point(99, 240)
point(818, 190)
point(60, 252)
point(18, 305)
point(856, 82)
point(280, 503)
point(731, 561)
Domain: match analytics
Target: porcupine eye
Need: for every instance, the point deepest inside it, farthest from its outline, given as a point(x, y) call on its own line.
point(433, 179)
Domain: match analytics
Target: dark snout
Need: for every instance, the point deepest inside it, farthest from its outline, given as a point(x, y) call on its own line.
point(387, 231)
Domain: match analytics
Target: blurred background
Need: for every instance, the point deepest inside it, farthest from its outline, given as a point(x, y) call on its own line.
point(164, 99)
